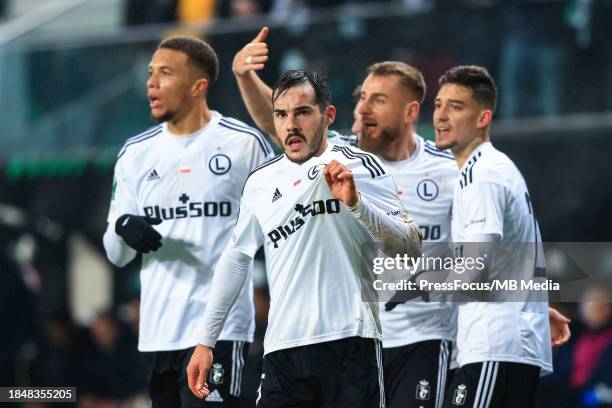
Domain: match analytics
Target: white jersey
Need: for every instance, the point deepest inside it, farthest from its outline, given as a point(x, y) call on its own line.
point(193, 183)
point(425, 183)
point(492, 198)
point(313, 245)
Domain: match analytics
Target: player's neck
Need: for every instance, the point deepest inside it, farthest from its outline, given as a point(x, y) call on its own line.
point(462, 154)
point(193, 121)
point(323, 146)
point(400, 149)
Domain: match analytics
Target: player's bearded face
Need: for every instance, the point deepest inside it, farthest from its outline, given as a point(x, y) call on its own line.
point(300, 124)
point(380, 110)
point(376, 140)
point(455, 117)
point(169, 85)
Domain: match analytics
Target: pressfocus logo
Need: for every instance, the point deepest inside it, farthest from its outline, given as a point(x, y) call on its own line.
point(522, 272)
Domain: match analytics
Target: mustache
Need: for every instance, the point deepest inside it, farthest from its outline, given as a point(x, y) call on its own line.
point(299, 135)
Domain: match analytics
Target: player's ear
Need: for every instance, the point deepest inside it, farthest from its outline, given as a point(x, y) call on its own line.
point(330, 114)
point(484, 118)
point(199, 88)
point(412, 111)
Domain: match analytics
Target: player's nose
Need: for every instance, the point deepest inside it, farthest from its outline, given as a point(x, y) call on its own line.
point(152, 81)
point(290, 123)
point(364, 108)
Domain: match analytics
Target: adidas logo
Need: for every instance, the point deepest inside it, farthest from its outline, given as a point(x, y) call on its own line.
point(277, 195)
point(214, 397)
point(153, 176)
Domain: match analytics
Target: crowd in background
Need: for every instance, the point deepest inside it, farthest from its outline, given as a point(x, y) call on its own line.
point(550, 58)
point(540, 40)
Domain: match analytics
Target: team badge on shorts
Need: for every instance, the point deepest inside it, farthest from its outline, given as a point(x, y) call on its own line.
point(216, 374)
point(423, 390)
point(460, 395)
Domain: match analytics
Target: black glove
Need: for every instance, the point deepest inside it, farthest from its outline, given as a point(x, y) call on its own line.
point(402, 296)
point(138, 233)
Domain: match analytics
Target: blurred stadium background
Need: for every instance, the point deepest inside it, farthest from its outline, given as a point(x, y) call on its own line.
point(72, 76)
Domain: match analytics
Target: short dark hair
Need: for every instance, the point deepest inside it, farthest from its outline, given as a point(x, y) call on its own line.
point(475, 78)
point(294, 78)
point(410, 77)
point(199, 54)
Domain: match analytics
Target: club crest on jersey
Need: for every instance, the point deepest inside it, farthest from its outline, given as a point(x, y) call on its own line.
point(314, 171)
point(331, 206)
point(216, 374)
point(220, 164)
point(460, 395)
point(423, 390)
point(427, 190)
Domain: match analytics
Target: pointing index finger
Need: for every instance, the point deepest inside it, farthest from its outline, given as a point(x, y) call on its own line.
point(263, 34)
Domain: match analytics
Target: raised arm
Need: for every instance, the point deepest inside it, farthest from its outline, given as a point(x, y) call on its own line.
point(257, 96)
point(397, 235)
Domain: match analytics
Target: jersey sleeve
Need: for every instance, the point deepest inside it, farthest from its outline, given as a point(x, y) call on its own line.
point(381, 192)
point(247, 236)
point(382, 213)
point(123, 200)
point(483, 209)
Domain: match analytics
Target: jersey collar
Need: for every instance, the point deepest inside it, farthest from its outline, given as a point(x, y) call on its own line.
point(483, 147)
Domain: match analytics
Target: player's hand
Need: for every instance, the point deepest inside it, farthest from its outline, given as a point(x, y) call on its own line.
point(403, 296)
point(341, 183)
point(197, 370)
point(138, 233)
point(559, 328)
point(253, 56)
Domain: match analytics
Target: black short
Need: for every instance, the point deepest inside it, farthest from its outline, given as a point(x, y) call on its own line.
point(415, 375)
point(345, 373)
point(493, 384)
point(167, 376)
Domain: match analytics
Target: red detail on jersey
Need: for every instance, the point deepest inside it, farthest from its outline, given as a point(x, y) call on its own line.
point(295, 183)
point(185, 170)
point(399, 193)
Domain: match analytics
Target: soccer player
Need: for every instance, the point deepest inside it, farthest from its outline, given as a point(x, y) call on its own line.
point(315, 209)
point(176, 195)
point(417, 336)
point(502, 346)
